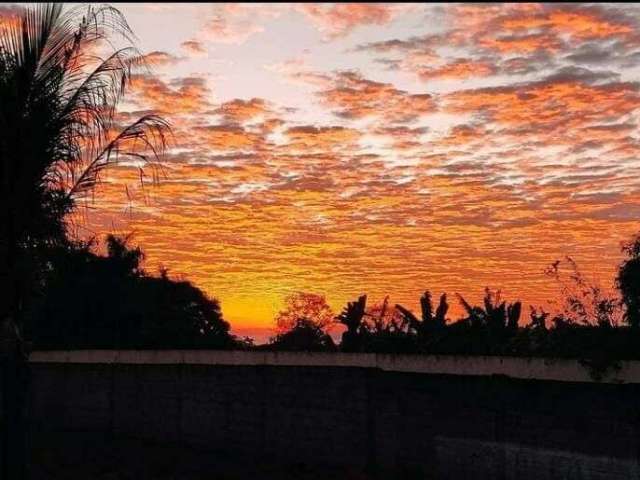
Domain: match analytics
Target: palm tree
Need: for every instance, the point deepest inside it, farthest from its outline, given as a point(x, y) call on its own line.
point(59, 127)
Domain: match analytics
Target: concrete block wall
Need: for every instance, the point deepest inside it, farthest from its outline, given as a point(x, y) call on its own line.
point(306, 408)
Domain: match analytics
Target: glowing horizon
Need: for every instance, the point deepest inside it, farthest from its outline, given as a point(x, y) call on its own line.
point(382, 149)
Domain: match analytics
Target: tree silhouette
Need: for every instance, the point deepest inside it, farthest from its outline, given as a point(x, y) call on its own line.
point(304, 305)
point(93, 301)
point(628, 281)
point(60, 128)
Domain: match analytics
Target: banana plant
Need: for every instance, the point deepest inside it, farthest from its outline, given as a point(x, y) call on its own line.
point(351, 317)
point(429, 320)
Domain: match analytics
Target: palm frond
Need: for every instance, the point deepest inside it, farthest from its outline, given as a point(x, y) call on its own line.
point(149, 131)
point(468, 308)
point(59, 107)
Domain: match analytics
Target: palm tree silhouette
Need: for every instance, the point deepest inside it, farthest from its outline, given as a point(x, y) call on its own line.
point(59, 127)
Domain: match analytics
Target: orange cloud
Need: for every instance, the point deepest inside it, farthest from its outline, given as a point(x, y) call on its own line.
point(228, 137)
point(464, 135)
point(161, 59)
point(528, 43)
point(314, 138)
point(240, 111)
point(459, 69)
point(474, 184)
point(340, 19)
point(490, 35)
point(552, 106)
point(584, 23)
point(356, 97)
point(552, 27)
point(183, 95)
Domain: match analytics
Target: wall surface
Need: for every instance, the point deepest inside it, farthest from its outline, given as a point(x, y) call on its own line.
point(453, 417)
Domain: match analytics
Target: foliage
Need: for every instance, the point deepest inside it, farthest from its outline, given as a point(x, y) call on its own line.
point(310, 306)
point(494, 329)
point(351, 317)
point(584, 302)
point(496, 316)
point(628, 281)
point(305, 335)
point(93, 301)
point(60, 129)
point(382, 319)
point(429, 322)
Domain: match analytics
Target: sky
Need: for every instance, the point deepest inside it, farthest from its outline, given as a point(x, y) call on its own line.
point(381, 148)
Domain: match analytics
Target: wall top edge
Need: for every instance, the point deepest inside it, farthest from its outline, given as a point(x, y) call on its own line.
point(532, 368)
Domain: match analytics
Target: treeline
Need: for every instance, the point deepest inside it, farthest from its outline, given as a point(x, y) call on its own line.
point(94, 301)
point(495, 328)
point(110, 301)
point(589, 323)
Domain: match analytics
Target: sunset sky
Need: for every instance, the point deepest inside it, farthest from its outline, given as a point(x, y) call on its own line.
point(382, 148)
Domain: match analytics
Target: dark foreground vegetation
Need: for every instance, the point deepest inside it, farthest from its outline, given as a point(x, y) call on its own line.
point(94, 301)
point(76, 309)
point(595, 326)
point(60, 129)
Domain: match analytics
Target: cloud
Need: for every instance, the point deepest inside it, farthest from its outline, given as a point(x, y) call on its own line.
point(240, 111)
point(236, 23)
point(354, 97)
point(309, 137)
point(186, 95)
point(222, 30)
point(560, 103)
point(193, 48)
point(298, 71)
point(338, 20)
point(460, 68)
point(161, 59)
point(227, 137)
point(514, 39)
point(551, 21)
point(526, 43)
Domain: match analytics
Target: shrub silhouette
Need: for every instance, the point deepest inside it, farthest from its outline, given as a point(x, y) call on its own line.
point(305, 335)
